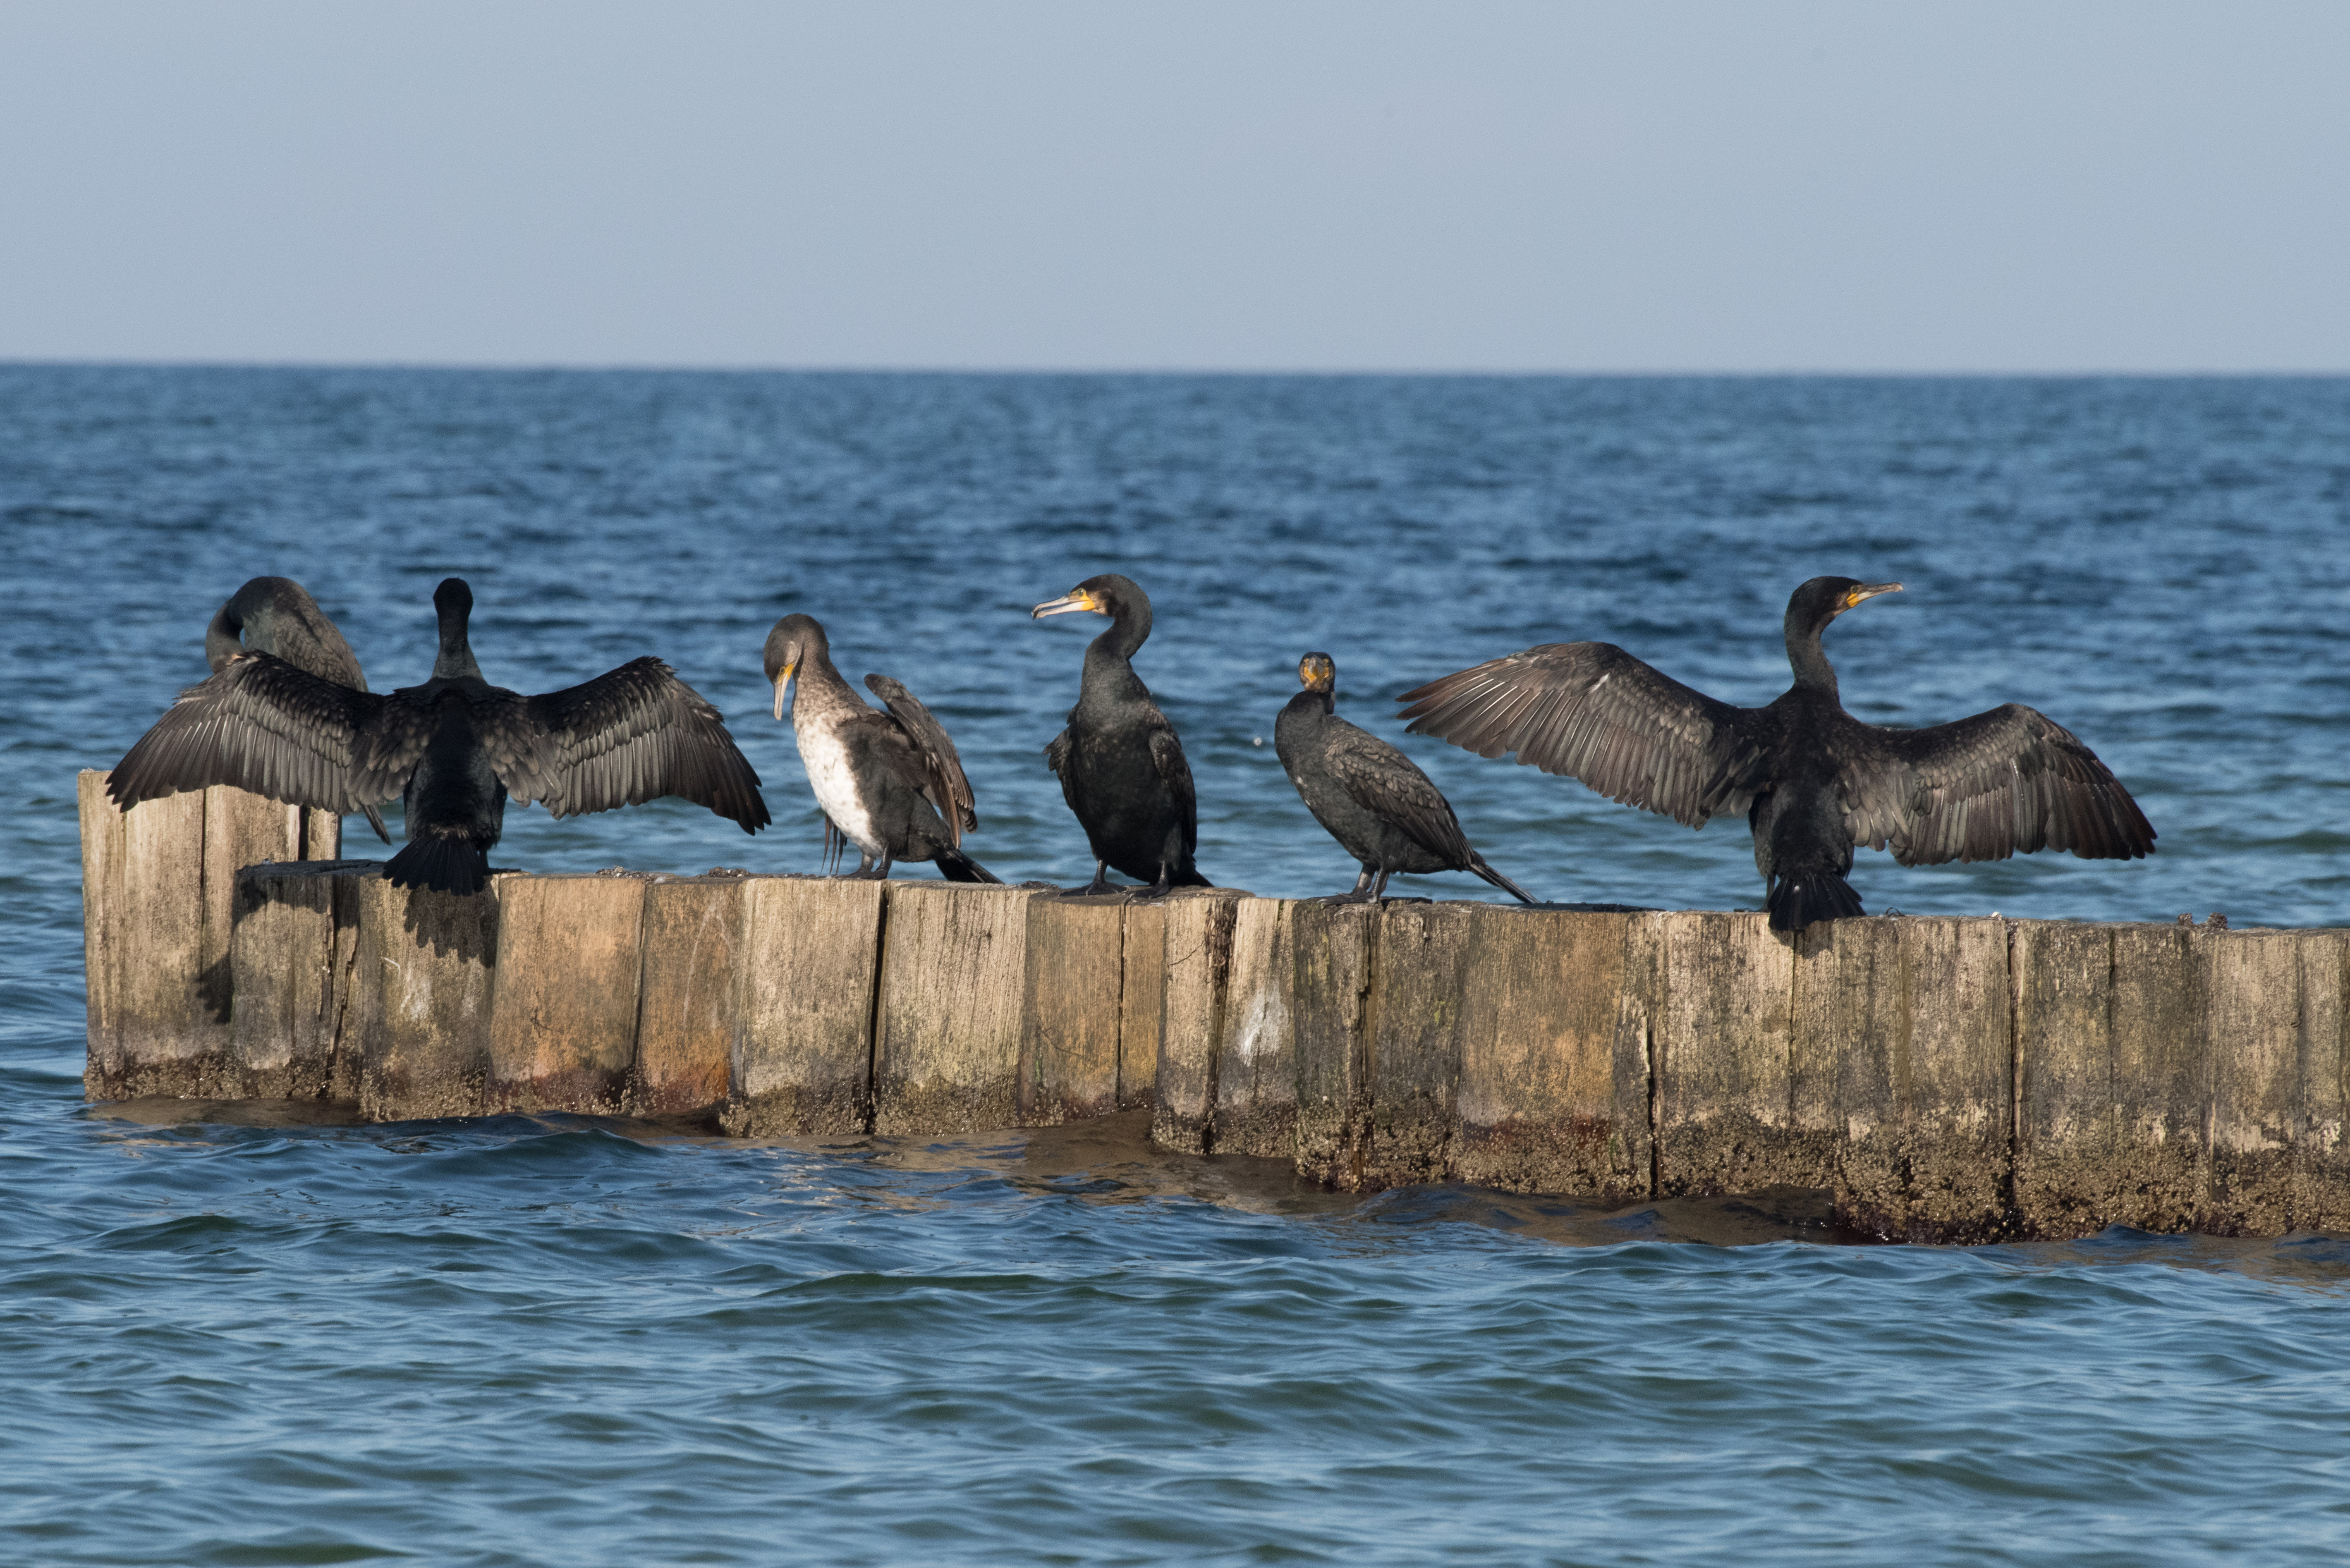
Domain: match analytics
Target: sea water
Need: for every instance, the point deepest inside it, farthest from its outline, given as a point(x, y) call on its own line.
point(563, 1340)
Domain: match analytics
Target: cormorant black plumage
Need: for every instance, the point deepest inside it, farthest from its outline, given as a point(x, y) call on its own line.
point(277, 615)
point(1374, 800)
point(451, 749)
point(888, 782)
point(1120, 764)
point(1813, 780)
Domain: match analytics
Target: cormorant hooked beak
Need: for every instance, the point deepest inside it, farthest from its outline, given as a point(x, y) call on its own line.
point(1068, 603)
point(784, 679)
point(1316, 673)
point(1852, 596)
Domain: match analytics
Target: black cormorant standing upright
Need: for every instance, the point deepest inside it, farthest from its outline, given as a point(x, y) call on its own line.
point(1375, 801)
point(277, 615)
point(1121, 768)
point(451, 749)
point(1812, 780)
point(889, 783)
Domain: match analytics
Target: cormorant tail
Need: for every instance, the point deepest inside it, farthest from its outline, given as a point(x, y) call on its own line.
point(1797, 900)
point(956, 867)
point(444, 864)
point(1188, 876)
point(1477, 864)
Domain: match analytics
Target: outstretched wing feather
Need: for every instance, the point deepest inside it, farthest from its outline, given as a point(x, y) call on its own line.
point(263, 725)
point(1591, 711)
point(2008, 781)
point(631, 736)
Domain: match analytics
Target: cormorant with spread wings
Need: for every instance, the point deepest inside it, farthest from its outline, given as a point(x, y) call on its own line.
point(888, 782)
point(1121, 767)
point(1812, 780)
point(451, 749)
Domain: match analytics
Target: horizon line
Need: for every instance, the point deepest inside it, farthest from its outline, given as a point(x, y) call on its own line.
point(657, 366)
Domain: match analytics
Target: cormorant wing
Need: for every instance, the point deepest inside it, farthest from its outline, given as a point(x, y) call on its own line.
point(2004, 783)
point(628, 736)
point(263, 725)
point(1056, 757)
point(944, 783)
point(1591, 711)
point(1167, 756)
point(1390, 786)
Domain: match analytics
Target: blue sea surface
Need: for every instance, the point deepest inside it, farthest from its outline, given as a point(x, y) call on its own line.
point(239, 1337)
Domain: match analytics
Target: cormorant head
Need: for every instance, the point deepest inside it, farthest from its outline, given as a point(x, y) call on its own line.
point(1821, 599)
point(794, 640)
point(1316, 673)
point(1109, 595)
point(453, 598)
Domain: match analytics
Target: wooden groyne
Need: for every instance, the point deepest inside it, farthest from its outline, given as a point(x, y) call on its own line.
point(1945, 1079)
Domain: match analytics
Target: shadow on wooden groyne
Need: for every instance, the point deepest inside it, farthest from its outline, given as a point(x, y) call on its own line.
point(1939, 1079)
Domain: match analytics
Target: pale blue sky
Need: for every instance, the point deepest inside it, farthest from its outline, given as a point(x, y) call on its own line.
point(1260, 186)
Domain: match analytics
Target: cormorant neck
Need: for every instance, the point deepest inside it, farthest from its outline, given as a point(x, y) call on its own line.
point(1808, 659)
point(1128, 629)
point(455, 661)
point(223, 640)
point(816, 667)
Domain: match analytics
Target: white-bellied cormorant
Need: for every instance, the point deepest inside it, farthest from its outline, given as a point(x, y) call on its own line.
point(1375, 801)
point(451, 749)
point(889, 783)
point(1120, 765)
point(277, 615)
point(1812, 780)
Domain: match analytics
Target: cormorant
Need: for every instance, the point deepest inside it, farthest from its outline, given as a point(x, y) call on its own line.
point(889, 783)
point(451, 749)
point(277, 615)
point(1375, 801)
point(1812, 780)
point(1120, 765)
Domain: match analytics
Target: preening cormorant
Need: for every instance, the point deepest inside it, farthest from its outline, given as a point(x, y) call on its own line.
point(277, 615)
point(1812, 780)
point(1120, 765)
point(1375, 801)
point(451, 749)
point(890, 782)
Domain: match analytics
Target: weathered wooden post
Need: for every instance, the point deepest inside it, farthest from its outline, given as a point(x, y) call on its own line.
point(1903, 1067)
point(806, 982)
point(1410, 1115)
point(1256, 1049)
point(1072, 1009)
point(562, 1015)
point(1560, 1012)
point(1332, 951)
point(946, 1048)
point(685, 1011)
point(158, 912)
point(423, 976)
point(291, 956)
point(1142, 1002)
point(1724, 1060)
point(1195, 982)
